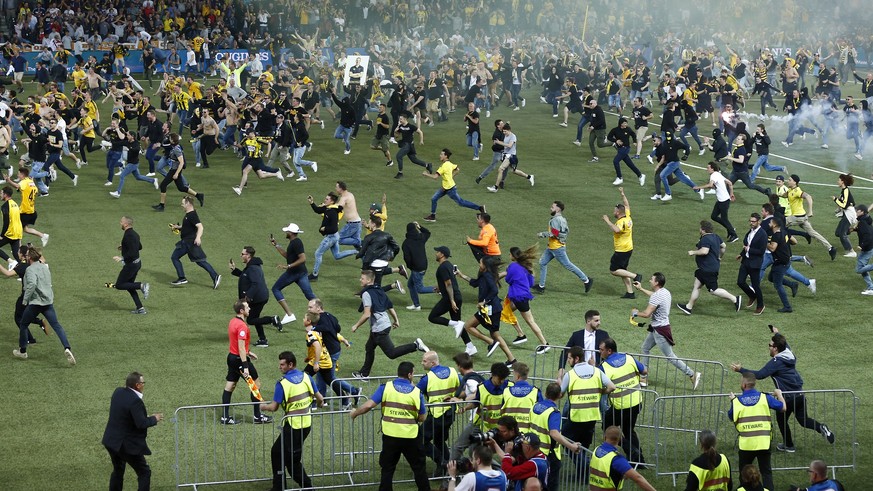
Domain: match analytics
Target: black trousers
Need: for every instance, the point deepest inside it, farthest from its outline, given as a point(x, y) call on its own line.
point(255, 318)
point(583, 433)
point(15, 243)
point(627, 420)
point(383, 340)
point(413, 451)
point(127, 281)
point(754, 291)
point(443, 307)
point(748, 456)
point(436, 436)
point(795, 404)
point(120, 460)
point(293, 457)
point(554, 471)
point(720, 216)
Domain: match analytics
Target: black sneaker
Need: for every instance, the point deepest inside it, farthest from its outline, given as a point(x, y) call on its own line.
point(429, 168)
point(140, 310)
point(683, 308)
point(399, 175)
point(360, 376)
point(493, 347)
point(629, 295)
point(827, 433)
point(262, 343)
point(510, 362)
point(430, 218)
point(277, 322)
point(389, 163)
point(520, 339)
point(158, 207)
point(478, 179)
point(539, 289)
point(588, 284)
point(833, 252)
point(794, 287)
point(784, 448)
point(215, 282)
point(482, 209)
point(738, 304)
point(229, 421)
point(200, 197)
point(313, 277)
point(732, 238)
point(180, 281)
point(263, 419)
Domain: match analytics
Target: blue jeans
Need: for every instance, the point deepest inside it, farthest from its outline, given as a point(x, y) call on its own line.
point(415, 284)
point(350, 234)
point(552, 98)
point(113, 160)
point(328, 243)
point(778, 273)
point(299, 162)
point(863, 267)
point(452, 193)
point(561, 255)
point(183, 118)
point(132, 169)
point(614, 100)
point(229, 134)
point(789, 272)
point(581, 127)
point(495, 161)
point(286, 278)
point(150, 155)
point(693, 131)
point(338, 386)
point(343, 133)
point(182, 249)
point(195, 147)
point(31, 312)
point(763, 160)
point(473, 141)
point(36, 173)
point(514, 92)
point(674, 168)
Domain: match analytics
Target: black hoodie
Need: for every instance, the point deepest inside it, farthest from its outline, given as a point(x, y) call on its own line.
point(414, 251)
point(251, 281)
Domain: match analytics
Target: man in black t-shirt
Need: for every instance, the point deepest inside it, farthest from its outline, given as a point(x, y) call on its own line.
point(295, 270)
point(191, 231)
point(329, 328)
point(740, 167)
point(130, 260)
point(380, 139)
point(780, 246)
point(405, 134)
point(450, 299)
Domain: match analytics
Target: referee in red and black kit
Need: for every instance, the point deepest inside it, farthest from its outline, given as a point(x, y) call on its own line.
point(239, 363)
point(129, 258)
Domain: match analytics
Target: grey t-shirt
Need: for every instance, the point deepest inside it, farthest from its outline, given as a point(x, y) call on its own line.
point(661, 299)
point(379, 321)
point(511, 139)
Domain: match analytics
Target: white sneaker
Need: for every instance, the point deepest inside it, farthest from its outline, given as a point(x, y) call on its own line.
point(420, 346)
point(577, 143)
point(523, 102)
point(475, 158)
point(70, 357)
point(487, 114)
point(458, 326)
point(517, 108)
point(19, 354)
point(667, 197)
point(850, 254)
point(289, 318)
point(314, 166)
point(562, 125)
point(695, 380)
point(650, 159)
point(399, 287)
point(302, 179)
point(108, 183)
point(867, 292)
point(858, 156)
point(413, 307)
point(812, 286)
point(492, 189)
point(701, 193)
point(825, 146)
point(322, 124)
point(12, 264)
point(156, 184)
point(530, 178)
point(655, 197)
point(618, 181)
point(711, 191)
point(279, 176)
point(472, 350)
point(114, 194)
point(392, 140)
point(44, 239)
point(702, 151)
point(75, 180)
point(642, 179)
point(56, 173)
point(346, 152)
point(150, 174)
point(237, 190)
point(289, 175)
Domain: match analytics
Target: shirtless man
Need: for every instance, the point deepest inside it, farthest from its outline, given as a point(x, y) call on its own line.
point(209, 139)
point(231, 120)
point(350, 234)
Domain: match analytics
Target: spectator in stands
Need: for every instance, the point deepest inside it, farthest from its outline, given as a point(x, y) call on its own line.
point(609, 468)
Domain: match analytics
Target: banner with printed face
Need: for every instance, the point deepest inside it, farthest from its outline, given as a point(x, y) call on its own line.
point(355, 71)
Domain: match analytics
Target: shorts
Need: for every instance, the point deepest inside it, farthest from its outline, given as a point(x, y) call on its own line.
point(710, 280)
point(521, 305)
point(513, 160)
point(256, 163)
point(433, 105)
point(18, 76)
point(199, 56)
point(492, 322)
point(381, 143)
point(234, 366)
point(28, 219)
point(619, 260)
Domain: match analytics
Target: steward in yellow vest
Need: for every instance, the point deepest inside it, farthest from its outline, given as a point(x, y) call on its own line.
point(750, 413)
point(519, 398)
point(711, 471)
point(438, 386)
point(609, 467)
point(584, 384)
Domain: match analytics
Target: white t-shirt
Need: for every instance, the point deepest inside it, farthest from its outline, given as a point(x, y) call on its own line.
point(468, 482)
point(721, 191)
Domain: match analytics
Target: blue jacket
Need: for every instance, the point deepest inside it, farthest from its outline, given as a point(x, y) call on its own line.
point(782, 369)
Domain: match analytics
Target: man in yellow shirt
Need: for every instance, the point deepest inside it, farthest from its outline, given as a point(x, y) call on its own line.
point(446, 173)
point(11, 231)
point(623, 241)
point(799, 215)
point(28, 190)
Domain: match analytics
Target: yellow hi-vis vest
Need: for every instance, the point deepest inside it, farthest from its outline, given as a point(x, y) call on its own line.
point(400, 412)
point(627, 383)
point(599, 470)
point(753, 424)
point(539, 425)
point(744, 489)
point(584, 397)
point(298, 399)
point(713, 480)
point(13, 229)
point(519, 407)
point(489, 408)
point(439, 388)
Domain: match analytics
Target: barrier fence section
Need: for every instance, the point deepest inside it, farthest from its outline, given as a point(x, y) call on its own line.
point(208, 452)
point(679, 420)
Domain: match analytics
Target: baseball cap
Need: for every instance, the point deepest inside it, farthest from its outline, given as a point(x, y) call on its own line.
point(293, 228)
point(780, 177)
point(377, 207)
point(445, 250)
point(531, 439)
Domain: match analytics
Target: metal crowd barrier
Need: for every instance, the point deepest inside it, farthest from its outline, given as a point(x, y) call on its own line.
point(208, 452)
point(679, 420)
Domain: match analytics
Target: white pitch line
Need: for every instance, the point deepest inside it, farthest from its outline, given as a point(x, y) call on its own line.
point(819, 167)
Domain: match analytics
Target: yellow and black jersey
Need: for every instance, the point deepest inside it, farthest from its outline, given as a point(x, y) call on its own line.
point(91, 107)
point(182, 100)
point(197, 43)
point(119, 51)
point(254, 146)
point(59, 95)
point(195, 90)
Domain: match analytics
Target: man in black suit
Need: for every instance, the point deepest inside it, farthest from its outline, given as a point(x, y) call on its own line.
point(751, 259)
point(588, 339)
point(125, 435)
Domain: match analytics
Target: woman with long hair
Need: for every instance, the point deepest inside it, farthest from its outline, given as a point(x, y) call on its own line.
point(846, 211)
point(750, 479)
point(519, 278)
point(711, 470)
point(489, 306)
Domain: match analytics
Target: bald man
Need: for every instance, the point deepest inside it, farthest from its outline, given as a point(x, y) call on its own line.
point(438, 385)
point(818, 479)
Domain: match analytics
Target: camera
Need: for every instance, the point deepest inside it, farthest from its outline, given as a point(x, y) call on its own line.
point(479, 436)
point(464, 465)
